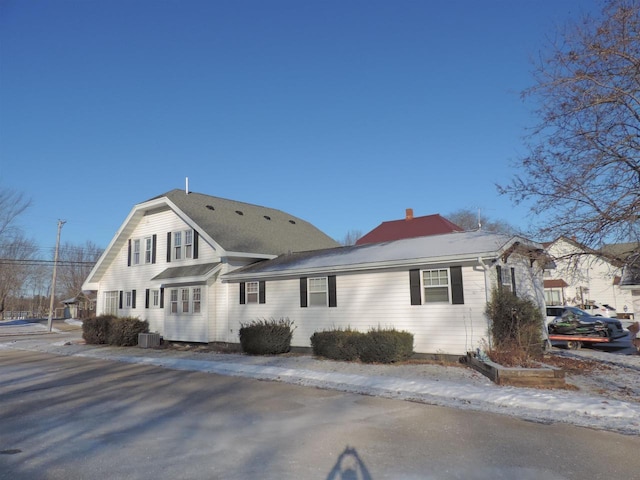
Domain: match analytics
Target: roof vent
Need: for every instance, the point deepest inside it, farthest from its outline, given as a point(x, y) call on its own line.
point(210, 207)
point(239, 212)
point(267, 217)
point(292, 222)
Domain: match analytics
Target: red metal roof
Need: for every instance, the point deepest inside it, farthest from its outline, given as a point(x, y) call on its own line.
point(409, 227)
point(559, 283)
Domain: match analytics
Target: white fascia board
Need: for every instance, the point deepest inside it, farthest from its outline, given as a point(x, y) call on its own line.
point(417, 262)
point(109, 253)
point(258, 256)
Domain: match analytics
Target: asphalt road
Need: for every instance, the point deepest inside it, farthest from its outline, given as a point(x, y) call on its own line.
point(78, 418)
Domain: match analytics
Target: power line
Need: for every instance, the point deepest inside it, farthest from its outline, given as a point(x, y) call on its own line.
point(35, 262)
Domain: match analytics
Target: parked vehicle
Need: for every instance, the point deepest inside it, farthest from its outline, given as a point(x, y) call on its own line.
point(563, 320)
point(597, 310)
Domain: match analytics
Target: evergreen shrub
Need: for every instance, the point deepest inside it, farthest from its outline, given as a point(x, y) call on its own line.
point(266, 337)
point(516, 328)
point(337, 344)
point(96, 330)
point(123, 331)
point(108, 329)
point(375, 346)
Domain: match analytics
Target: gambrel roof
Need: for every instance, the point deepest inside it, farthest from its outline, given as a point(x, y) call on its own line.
point(234, 229)
point(243, 227)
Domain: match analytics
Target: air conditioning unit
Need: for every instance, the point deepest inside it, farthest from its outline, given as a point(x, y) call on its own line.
point(148, 340)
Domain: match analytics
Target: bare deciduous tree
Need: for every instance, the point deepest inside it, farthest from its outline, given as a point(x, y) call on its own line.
point(351, 237)
point(12, 205)
point(469, 220)
point(75, 265)
point(16, 256)
point(582, 172)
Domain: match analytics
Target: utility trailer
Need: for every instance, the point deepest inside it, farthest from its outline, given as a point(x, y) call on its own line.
point(574, 342)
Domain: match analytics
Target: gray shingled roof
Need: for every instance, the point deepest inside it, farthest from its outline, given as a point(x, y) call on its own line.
point(186, 271)
point(243, 227)
point(445, 248)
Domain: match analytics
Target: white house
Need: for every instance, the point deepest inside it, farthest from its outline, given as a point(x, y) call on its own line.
point(585, 276)
point(197, 267)
point(164, 263)
point(435, 287)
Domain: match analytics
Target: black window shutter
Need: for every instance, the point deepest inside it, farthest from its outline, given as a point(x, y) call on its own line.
point(513, 280)
point(133, 299)
point(333, 301)
point(146, 298)
point(162, 298)
point(168, 247)
point(154, 242)
point(195, 244)
point(457, 292)
point(129, 254)
point(499, 275)
point(120, 295)
point(262, 294)
point(303, 292)
point(414, 287)
point(242, 293)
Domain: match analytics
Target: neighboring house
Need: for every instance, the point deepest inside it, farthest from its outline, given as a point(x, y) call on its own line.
point(81, 306)
point(629, 255)
point(435, 287)
point(583, 276)
point(165, 261)
point(409, 227)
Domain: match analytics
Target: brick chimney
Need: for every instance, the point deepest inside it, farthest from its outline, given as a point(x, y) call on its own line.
point(409, 214)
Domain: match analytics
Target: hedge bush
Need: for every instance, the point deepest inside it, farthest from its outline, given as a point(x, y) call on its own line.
point(95, 330)
point(375, 346)
point(266, 337)
point(108, 329)
point(337, 344)
point(386, 346)
point(123, 331)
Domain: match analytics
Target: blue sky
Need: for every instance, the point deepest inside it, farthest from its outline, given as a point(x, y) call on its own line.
point(343, 113)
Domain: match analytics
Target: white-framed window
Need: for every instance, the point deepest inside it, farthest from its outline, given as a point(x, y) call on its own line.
point(318, 291)
point(148, 250)
point(188, 244)
point(185, 300)
point(155, 298)
point(253, 290)
point(197, 297)
point(507, 280)
point(183, 244)
point(111, 302)
point(173, 302)
point(553, 296)
point(436, 285)
point(135, 254)
point(128, 296)
point(177, 245)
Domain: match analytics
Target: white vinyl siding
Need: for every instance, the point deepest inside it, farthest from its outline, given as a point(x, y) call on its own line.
point(377, 300)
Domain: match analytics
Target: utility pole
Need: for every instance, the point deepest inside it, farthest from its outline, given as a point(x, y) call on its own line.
point(53, 280)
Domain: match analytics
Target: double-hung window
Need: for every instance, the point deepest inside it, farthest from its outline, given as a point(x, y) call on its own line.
point(318, 291)
point(148, 249)
point(177, 245)
point(253, 289)
point(188, 243)
point(197, 292)
point(436, 285)
point(136, 252)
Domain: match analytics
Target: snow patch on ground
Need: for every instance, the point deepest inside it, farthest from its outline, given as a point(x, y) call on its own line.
point(607, 399)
